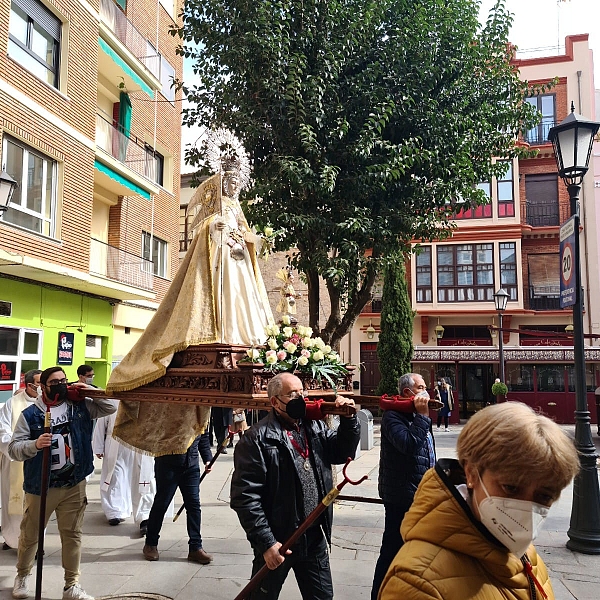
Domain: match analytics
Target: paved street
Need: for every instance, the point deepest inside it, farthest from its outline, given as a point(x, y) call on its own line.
point(113, 563)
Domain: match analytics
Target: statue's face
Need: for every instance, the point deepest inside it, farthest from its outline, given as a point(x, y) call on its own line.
point(233, 185)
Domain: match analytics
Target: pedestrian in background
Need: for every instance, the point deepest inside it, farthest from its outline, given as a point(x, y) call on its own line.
point(445, 395)
point(11, 471)
point(407, 452)
point(181, 471)
point(468, 533)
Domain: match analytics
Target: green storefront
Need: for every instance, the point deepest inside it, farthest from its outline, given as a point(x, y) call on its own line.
point(42, 326)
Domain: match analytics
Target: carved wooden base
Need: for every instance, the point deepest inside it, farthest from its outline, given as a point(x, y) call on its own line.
point(210, 375)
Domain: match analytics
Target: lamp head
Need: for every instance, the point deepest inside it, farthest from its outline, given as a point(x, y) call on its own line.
point(370, 331)
point(501, 299)
point(572, 140)
point(7, 188)
point(439, 331)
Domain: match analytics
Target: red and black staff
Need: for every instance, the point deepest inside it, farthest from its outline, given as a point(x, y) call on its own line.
point(208, 467)
point(314, 515)
point(43, 497)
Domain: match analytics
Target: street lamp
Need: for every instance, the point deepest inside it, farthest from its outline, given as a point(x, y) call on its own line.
point(572, 140)
point(7, 189)
point(501, 300)
point(439, 331)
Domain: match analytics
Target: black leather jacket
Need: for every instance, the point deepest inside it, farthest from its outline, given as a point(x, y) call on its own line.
point(265, 487)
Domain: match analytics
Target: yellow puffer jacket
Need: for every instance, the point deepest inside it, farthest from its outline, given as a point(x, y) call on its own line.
point(449, 555)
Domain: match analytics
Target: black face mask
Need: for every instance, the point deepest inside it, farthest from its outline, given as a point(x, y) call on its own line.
point(58, 392)
point(296, 408)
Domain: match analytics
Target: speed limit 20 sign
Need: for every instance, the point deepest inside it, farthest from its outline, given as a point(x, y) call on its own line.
point(567, 263)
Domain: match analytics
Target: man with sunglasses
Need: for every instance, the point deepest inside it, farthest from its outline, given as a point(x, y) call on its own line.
point(71, 460)
point(282, 470)
point(11, 472)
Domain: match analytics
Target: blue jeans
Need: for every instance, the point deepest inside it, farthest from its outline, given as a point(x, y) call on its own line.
point(391, 542)
point(169, 477)
point(309, 561)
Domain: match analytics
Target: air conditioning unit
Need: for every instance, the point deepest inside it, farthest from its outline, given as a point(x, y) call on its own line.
point(93, 346)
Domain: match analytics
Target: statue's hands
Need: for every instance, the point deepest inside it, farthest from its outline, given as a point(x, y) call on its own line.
point(252, 238)
point(220, 223)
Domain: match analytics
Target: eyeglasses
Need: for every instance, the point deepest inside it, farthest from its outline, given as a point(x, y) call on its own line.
point(294, 395)
point(55, 381)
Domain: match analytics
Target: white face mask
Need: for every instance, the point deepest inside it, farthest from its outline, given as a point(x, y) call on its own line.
point(89, 380)
point(514, 523)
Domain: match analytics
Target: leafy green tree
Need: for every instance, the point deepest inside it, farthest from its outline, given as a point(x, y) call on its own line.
point(369, 123)
point(395, 348)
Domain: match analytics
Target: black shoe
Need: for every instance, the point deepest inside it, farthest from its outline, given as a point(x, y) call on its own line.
point(144, 527)
point(230, 445)
point(115, 521)
point(224, 451)
point(5, 546)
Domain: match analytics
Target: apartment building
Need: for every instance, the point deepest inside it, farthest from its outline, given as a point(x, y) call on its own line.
point(91, 131)
point(510, 243)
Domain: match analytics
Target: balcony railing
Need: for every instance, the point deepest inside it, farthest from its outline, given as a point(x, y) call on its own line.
point(125, 32)
point(539, 135)
point(121, 266)
point(544, 297)
point(126, 149)
point(542, 215)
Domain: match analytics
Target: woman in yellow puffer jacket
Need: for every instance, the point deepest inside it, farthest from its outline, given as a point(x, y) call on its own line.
point(468, 533)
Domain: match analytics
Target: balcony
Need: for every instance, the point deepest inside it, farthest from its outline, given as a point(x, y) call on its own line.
point(542, 215)
point(118, 265)
point(373, 307)
point(539, 135)
point(544, 297)
point(128, 35)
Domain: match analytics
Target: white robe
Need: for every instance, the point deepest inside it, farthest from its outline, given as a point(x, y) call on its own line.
point(11, 500)
point(127, 484)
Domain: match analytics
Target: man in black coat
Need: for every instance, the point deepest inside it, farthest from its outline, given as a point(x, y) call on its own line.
point(407, 452)
point(282, 470)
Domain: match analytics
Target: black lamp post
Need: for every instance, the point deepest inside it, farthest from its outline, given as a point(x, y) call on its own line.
point(7, 189)
point(572, 140)
point(501, 300)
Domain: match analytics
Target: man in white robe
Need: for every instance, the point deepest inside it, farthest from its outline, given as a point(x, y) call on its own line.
point(127, 484)
point(11, 471)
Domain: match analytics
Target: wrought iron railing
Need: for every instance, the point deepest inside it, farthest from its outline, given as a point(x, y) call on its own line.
point(118, 265)
point(544, 297)
point(539, 134)
point(125, 148)
point(125, 32)
point(542, 215)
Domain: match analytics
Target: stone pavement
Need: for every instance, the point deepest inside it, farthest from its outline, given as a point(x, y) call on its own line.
point(112, 561)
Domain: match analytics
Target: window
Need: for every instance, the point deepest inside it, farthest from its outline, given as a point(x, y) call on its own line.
point(544, 281)
point(155, 165)
point(478, 212)
point(545, 106)
point(589, 378)
point(508, 268)
point(551, 378)
point(34, 39)
point(519, 378)
point(155, 250)
point(20, 351)
point(34, 200)
point(541, 194)
point(423, 259)
point(167, 75)
point(465, 273)
point(506, 199)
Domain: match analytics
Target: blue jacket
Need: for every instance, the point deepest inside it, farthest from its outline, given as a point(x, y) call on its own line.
point(30, 426)
point(404, 456)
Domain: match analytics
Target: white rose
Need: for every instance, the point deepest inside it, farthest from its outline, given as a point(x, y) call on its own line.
point(303, 361)
point(268, 231)
point(272, 330)
point(333, 357)
point(272, 343)
point(307, 342)
point(318, 355)
point(253, 353)
point(319, 343)
point(271, 360)
point(327, 349)
point(308, 331)
point(288, 332)
point(286, 320)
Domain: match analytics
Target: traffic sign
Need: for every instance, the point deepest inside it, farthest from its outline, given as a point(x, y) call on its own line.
point(568, 257)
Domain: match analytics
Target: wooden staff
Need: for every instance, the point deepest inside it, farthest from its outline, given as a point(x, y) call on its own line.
point(43, 496)
point(208, 467)
point(314, 515)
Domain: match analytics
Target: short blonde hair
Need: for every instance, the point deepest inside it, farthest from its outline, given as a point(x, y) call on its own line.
point(512, 439)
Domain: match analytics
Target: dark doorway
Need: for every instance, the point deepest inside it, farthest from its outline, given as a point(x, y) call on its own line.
point(369, 370)
point(476, 386)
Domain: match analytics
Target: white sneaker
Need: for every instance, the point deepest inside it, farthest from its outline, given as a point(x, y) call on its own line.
point(76, 592)
point(21, 587)
point(446, 429)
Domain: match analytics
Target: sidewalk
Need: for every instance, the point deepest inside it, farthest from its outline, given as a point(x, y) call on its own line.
point(112, 561)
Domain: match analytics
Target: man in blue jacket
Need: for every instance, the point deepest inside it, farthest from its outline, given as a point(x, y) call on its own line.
point(71, 461)
point(407, 452)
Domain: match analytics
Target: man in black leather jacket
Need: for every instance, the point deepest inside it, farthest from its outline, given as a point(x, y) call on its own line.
point(282, 471)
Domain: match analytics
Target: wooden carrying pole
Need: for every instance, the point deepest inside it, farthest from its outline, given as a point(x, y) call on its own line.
point(43, 497)
point(314, 515)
